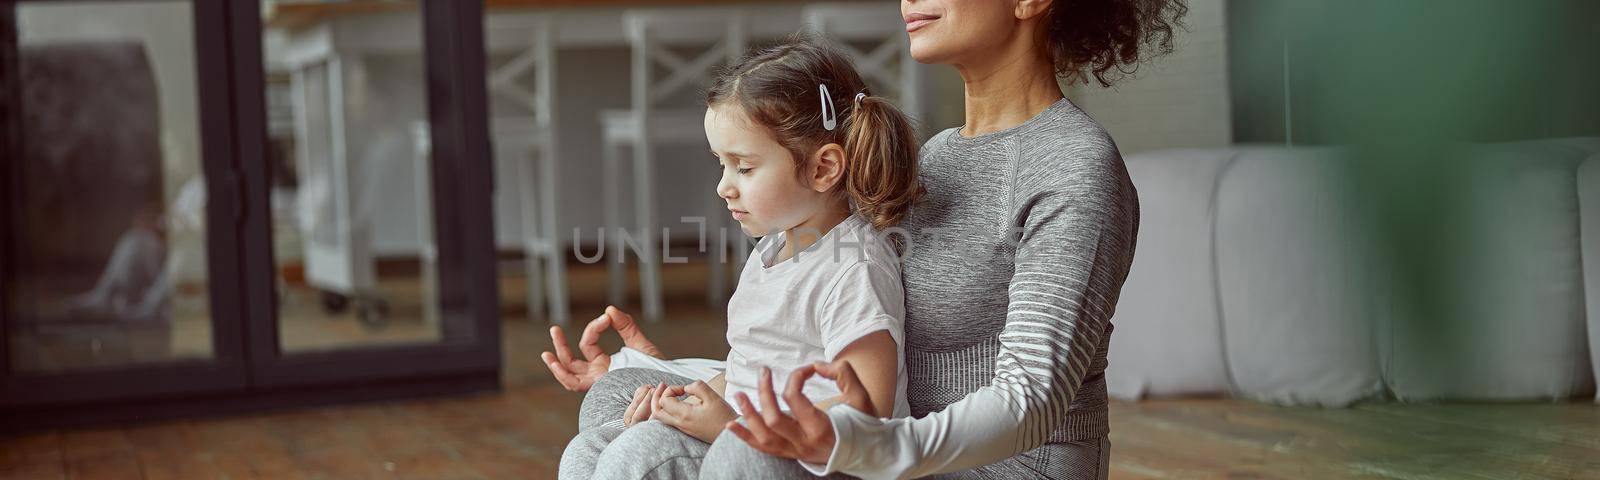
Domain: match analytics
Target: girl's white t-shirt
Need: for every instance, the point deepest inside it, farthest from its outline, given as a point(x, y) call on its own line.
point(810, 307)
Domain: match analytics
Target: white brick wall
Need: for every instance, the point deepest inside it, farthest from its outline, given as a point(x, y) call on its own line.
point(1177, 101)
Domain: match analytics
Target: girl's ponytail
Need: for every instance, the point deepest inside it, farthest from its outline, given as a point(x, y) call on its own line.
point(881, 172)
point(779, 88)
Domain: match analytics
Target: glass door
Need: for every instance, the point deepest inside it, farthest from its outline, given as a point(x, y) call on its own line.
point(371, 247)
point(208, 201)
point(120, 202)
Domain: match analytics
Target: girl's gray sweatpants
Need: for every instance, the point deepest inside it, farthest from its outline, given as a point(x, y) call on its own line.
point(604, 449)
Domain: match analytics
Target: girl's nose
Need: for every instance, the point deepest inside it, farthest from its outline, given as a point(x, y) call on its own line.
point(725, 188)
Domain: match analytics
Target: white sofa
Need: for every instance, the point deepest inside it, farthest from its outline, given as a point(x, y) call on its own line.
point(1258, 275)
point(1589, 211)
point(1179, 350)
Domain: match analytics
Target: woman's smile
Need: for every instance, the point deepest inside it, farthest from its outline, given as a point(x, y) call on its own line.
point(915, 21)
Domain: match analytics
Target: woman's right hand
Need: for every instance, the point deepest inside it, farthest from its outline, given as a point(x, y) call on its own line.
point(579, 374)
point(805, 433)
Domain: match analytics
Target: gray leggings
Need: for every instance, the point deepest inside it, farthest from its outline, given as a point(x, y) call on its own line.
point(604, 449)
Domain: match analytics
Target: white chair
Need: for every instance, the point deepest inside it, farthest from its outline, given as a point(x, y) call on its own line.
point(720, 37)
point(886, 63)
point(526, 148)
point(541, 241)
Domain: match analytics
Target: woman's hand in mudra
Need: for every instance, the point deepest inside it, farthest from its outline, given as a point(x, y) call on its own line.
point(579, 374)
point(807, 435)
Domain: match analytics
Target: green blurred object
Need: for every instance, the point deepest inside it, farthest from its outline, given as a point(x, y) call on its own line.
point(1410, 86)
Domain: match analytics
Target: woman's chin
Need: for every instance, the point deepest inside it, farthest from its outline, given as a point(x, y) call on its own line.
point(926, 51)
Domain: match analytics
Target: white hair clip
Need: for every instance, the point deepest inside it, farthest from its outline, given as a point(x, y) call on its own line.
point(860, 96)
point(830, 116)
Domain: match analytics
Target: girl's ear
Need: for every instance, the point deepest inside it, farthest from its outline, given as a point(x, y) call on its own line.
point(827, 168)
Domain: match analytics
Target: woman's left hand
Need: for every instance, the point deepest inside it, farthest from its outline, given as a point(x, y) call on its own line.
point(702, 415)
point(808, 434)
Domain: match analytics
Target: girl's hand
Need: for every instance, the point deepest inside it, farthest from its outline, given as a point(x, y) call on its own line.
point(643, 405)
point(632, 336)
point(808, 435)
point(703, 415)
point(579, 374)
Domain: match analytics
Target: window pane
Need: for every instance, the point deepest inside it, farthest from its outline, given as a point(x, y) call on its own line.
point(352, 216)
point(108, 217)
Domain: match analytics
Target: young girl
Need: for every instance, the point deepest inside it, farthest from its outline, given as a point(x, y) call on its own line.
point(818, 168)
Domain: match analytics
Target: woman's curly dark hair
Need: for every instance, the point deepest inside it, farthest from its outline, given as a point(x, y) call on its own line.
point(1105, 39)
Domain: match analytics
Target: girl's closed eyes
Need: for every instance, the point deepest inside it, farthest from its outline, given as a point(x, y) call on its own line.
point(721, 169)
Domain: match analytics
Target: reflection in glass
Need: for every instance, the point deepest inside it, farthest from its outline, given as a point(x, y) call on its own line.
point(106, 218)
point(352, 216)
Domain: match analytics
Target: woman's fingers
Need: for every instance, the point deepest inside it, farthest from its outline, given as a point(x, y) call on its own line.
point(738, 430)
point(850, 387)
point(760, 435)
point(775, 433)
point(769, 400)
point(855, 394)
point(776, 421)
point(756, 433)
point(757, 427)
point(768, 446)
point(804, 412)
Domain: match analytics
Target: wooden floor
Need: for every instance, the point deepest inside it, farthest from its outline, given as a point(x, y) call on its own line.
point(520, 432)
point(1238, 439)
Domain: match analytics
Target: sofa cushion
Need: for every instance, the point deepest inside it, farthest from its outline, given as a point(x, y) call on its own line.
point(1294, 278)
point(1167, 339)
point(1506, 321)
point(1589, 213)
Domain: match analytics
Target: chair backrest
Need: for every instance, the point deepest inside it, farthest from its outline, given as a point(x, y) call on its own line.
point(887, 59)
point(509, 133)
point(535, 38)
point(718, 34)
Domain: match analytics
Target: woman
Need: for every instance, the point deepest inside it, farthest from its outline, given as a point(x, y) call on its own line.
point(1012, 270)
